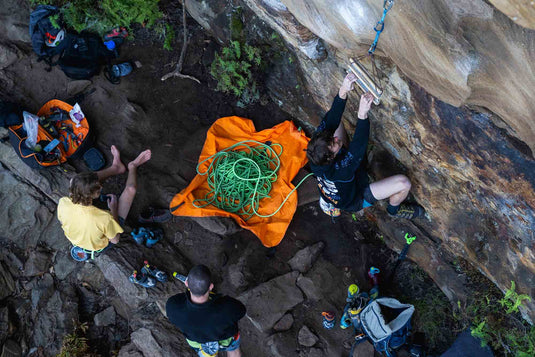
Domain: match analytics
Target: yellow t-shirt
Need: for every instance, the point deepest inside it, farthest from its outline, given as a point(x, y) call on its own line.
point(87, 227)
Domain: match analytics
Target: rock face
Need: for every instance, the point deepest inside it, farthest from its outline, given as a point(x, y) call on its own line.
point(305, 258)
point(472, 170)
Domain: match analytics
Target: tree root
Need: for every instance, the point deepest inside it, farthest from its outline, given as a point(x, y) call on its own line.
point(178, 70)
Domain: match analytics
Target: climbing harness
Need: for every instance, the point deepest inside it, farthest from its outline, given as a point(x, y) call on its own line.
point(81, 255)
point(371, 83)
point(380, 26)
point(240, 176)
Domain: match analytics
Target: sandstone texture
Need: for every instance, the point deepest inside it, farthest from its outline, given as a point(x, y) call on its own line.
point(456, 114)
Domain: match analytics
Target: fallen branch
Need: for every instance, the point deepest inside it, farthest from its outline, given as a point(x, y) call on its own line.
point(178, 70)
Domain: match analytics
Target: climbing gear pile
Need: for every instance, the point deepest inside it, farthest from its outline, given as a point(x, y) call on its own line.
point(242, 175)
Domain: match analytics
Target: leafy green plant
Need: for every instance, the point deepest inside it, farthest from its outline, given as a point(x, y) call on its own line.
point(512, 300)
point(234, 69)
point(497, 323)
point(166, 33)
point(101, 16)
point(75, 344)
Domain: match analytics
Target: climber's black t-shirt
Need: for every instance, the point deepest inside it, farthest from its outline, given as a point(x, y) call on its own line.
point(343, 181)
point(215, 320)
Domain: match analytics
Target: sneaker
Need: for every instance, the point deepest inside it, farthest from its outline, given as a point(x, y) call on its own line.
point(152, 215)
point(155, 272)
point(409, 211)
point(142, 279)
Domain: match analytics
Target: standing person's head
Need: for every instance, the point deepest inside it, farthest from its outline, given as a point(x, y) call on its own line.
point(199, 280)
point(84, 188)
point(322, 148)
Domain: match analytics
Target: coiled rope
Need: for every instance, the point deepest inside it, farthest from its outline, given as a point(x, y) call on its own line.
point(242, 175)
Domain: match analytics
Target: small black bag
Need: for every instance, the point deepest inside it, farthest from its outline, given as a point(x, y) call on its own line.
point(83, 56)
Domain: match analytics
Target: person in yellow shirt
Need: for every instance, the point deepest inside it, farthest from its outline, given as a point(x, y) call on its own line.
point(89, 228)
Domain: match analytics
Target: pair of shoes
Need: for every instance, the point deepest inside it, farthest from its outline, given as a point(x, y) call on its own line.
point(155, 215)
point(147, 236)
point(155, 272)
point(409, 211)
point(116, 35)
point(142, 279)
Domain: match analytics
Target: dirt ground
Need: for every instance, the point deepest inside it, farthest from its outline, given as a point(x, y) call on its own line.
point(171, 118)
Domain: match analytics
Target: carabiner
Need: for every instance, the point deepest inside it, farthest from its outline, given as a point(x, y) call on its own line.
point(387, 5)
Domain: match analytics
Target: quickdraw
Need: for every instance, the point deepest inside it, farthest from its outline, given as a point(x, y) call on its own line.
point(380, 26)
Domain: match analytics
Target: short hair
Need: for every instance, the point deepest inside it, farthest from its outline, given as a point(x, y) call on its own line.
point(83, 188)
point(199, 280)
point(318, 152)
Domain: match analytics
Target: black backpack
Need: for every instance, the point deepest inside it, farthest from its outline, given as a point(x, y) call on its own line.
point(83, 56)
point(43, 31)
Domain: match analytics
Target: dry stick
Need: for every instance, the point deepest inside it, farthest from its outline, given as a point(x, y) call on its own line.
point(178, 69)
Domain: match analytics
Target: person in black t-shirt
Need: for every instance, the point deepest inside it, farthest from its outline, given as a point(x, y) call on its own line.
point(339, 168)
point(208, 321)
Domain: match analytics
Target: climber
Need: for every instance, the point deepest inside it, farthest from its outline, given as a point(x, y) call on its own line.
point(89, 228)
point(208, 321)
point(339, 168)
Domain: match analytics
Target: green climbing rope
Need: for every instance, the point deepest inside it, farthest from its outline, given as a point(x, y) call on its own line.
point(242, 175)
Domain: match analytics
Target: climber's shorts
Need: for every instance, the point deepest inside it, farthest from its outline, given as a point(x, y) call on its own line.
point(210, 349)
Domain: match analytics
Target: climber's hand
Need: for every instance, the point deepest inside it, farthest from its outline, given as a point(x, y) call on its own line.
point(347, 85)
point(365, 104)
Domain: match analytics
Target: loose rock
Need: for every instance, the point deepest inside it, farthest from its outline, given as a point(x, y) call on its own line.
point(309, 288)
point(269, 301)
point(144, 340)
point(306, 337)
point(105, 317)
point(305, 258)
point(285, 323)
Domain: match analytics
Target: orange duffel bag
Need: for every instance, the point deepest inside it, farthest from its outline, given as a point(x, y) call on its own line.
point(72, 139)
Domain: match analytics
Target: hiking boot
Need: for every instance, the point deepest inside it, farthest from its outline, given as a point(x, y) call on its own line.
point(155, 215)
point(409, 211)
point(155, 272)
point(142, 279)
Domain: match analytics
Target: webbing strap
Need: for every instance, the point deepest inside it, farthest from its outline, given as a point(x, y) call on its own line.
point(380, 26)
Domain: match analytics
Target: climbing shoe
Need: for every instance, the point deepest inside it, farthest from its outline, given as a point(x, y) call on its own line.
point(139, 235)
point(152, 215)
point(117, 35)
point(114, 73)
point(155, 272)
point(154, 235)
point(142, 279)
point(409, 211)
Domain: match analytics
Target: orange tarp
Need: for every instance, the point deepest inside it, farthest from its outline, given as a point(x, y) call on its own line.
point(229, 131)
